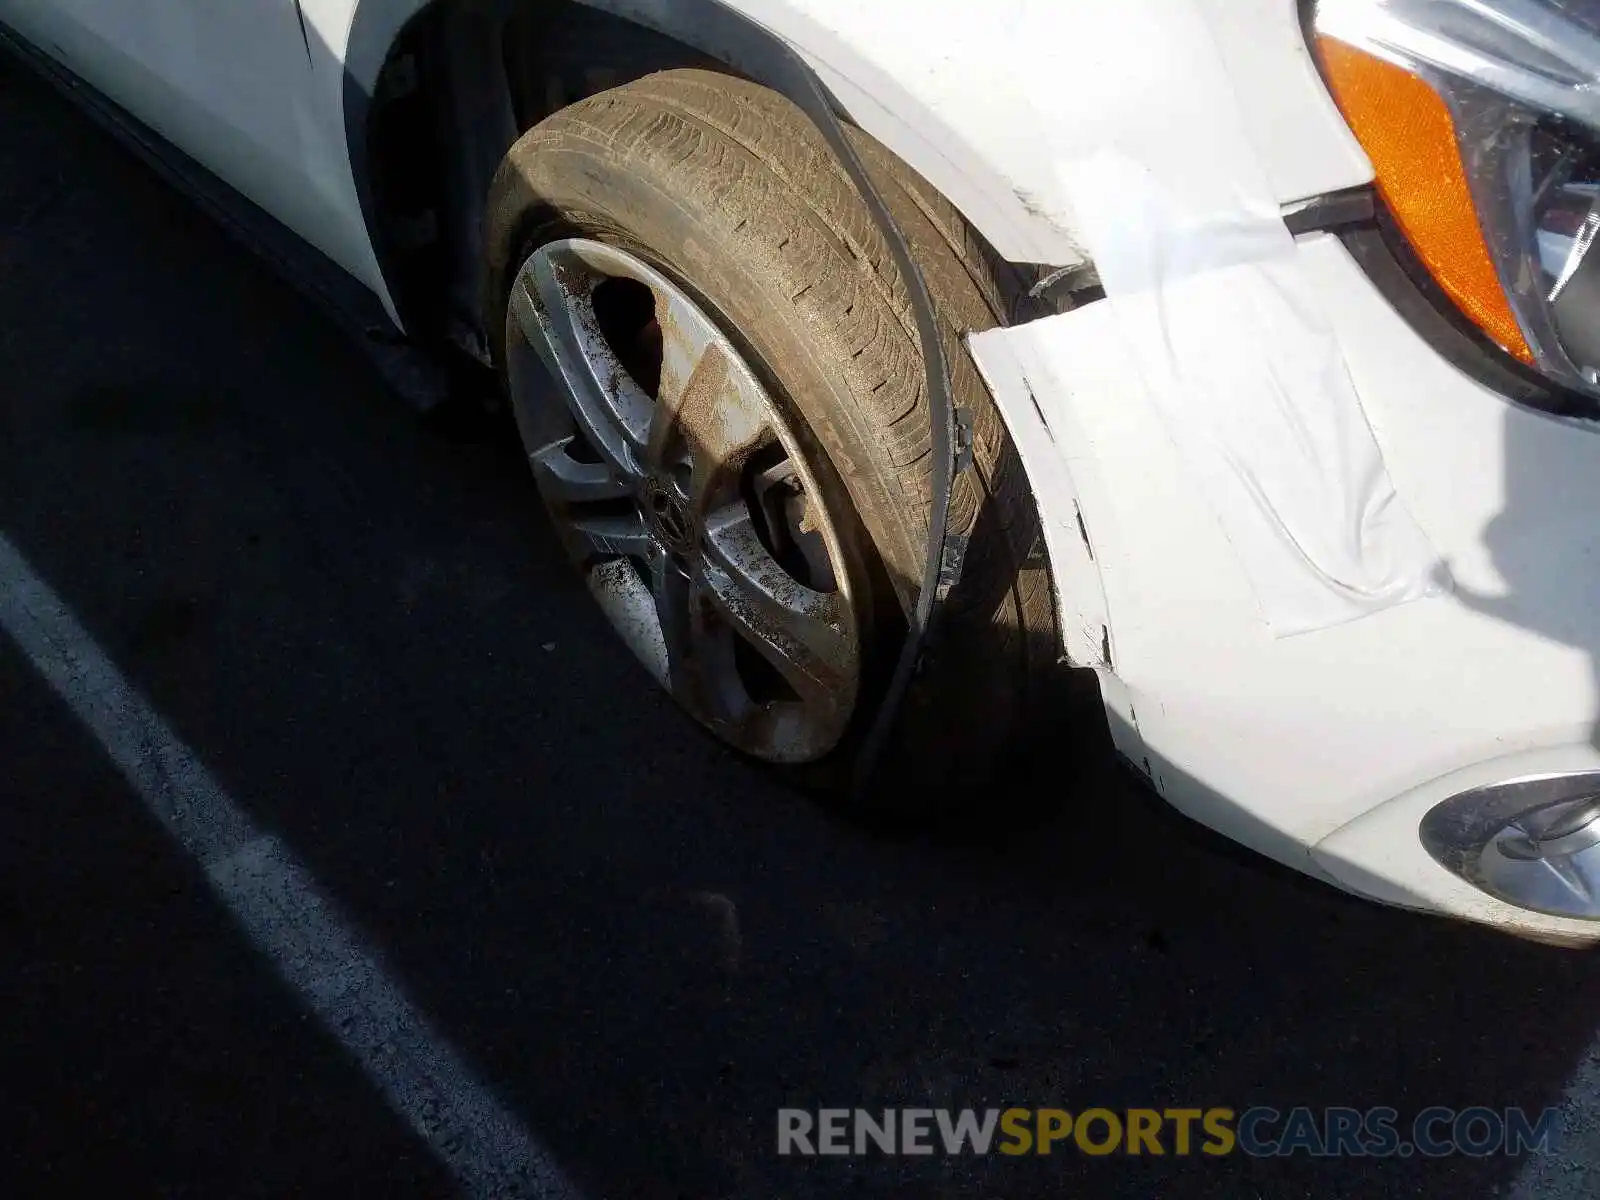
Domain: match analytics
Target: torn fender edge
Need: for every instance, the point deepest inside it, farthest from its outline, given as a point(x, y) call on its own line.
point(1054, 453)
point(1079, 532)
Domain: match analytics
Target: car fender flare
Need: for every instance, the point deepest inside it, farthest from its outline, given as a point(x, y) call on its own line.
point(746, 36)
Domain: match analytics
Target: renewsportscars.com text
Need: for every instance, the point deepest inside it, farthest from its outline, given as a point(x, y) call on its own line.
point(1260, 1131)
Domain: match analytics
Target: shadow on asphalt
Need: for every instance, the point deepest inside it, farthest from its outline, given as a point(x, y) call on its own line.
point(361, 625)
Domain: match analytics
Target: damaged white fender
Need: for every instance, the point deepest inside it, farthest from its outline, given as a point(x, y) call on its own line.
point(1250, 443)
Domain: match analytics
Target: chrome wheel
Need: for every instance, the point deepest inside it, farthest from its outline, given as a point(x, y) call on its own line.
point(684, 498)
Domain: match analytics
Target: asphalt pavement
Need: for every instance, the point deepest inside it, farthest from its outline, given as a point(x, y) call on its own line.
point(356, 624)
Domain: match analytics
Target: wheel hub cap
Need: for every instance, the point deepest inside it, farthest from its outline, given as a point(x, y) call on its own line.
point(668, 517)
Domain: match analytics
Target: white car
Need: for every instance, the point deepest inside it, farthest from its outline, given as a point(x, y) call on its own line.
point(1265, 386)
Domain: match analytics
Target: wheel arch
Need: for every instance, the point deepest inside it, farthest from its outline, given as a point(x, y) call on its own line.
point(703, 33)
point(424, 243)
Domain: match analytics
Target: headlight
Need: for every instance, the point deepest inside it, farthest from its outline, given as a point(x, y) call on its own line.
point(1482, 122)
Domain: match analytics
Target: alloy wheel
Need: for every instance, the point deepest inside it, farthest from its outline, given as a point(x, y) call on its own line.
point(684, 497)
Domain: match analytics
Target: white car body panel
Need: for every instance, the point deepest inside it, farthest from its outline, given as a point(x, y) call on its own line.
point(972, 102)
point(1321, 749)
point(235, 87)
point(1282, 742)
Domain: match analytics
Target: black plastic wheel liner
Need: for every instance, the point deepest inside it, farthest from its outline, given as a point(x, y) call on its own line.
point(734, 39)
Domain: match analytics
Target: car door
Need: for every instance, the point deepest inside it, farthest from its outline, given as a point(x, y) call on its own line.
point(250, 89)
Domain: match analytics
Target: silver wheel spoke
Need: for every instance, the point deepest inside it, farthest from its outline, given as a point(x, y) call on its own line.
point(660, 455)
point(565, 480)
point(558, 322)
point(610, 535)
point(630, 607)
point(707, 374)
point(709, 409)
point(800, 631)
point(670, 585)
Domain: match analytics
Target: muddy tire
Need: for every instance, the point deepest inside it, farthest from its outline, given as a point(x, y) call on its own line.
point(727, 191)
